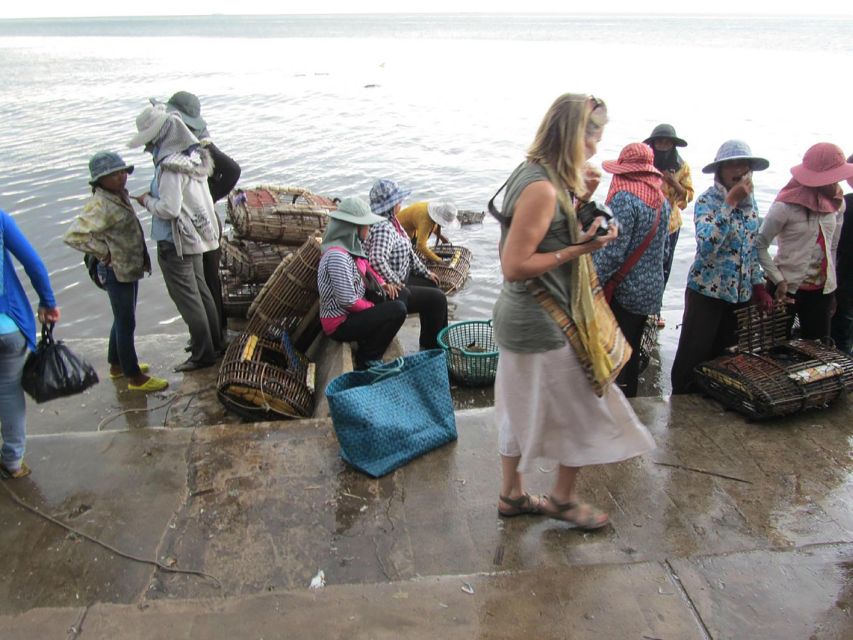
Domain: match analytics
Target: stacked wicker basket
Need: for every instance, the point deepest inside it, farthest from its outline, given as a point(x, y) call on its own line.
point(269, 223)
point(270, 276)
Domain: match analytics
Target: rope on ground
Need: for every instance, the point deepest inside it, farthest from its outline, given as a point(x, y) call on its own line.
point(108, 547)
point(174, 398)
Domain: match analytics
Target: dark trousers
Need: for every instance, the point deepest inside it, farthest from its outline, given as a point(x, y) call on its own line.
point(184, 277)
point(631, 325)
point(814, 309)
point(708, 327)
point(669, 254)
point(121, 350)
point(423, 297)
point(210, 263)
point(842, 321)
point(372, 329)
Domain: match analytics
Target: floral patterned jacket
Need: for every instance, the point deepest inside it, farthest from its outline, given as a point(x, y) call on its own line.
point(726, 265)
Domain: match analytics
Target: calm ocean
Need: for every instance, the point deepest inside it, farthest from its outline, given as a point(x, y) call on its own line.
point(445, 105)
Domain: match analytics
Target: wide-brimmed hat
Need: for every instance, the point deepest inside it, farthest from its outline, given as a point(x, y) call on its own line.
point(823, 164)
point(442, 213)
point(356, 211)
point(190, 107)
point(636, 157)
point(148, 124)
point(665, 131)
point(385, 195)
point(104, 163)
point(736, 150)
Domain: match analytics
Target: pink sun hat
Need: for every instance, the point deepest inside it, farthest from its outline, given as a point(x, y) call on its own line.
point(823, 164)
point(636, 157)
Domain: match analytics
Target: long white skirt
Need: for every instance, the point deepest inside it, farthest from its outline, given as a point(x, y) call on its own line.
point(546, 408)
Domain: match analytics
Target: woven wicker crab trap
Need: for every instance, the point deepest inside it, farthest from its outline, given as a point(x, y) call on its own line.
point(284, 215)
point(770, 376)
point(264, 375)
point(453, 269)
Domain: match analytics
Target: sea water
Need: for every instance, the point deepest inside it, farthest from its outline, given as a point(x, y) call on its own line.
point(444, 105)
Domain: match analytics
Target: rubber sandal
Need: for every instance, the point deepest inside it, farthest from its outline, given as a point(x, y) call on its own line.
point(144, 367)
point(561, 512)
point(521, 506)
point(152, 384)
point(21, 472)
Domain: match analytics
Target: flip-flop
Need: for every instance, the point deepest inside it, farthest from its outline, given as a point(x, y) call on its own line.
point(561, 512)
point(521, 506)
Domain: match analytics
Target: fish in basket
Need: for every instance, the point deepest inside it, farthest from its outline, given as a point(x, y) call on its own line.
point(284, 215)
point(472, 353)
point(770, 376)
point(453, 269)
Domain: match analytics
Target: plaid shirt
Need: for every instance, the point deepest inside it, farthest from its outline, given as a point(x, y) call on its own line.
point(391, 254)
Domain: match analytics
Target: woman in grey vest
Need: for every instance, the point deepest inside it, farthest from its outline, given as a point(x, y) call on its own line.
point(545, 407)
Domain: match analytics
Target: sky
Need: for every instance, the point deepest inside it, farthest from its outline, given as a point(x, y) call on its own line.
point(105, 8)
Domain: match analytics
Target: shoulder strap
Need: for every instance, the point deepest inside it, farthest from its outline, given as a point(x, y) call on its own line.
point(617, 278)
point(492, 209)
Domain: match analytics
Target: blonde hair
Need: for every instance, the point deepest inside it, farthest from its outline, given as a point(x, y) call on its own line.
point(561, 139)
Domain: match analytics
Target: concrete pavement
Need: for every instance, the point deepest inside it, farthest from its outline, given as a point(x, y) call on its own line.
point(729, 529)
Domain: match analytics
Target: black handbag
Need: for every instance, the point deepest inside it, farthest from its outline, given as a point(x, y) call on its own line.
point(92, 263)
point(373, 291)
point(54, 371)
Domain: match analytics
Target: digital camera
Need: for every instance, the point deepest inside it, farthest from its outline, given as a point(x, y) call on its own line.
point(591, 210)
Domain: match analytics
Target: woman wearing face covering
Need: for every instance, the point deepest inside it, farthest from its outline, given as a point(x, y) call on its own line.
point(345, 313)
point(677, 186)
point(635, 258)
point(726, 274)
point(183, 223)
point(805, 220)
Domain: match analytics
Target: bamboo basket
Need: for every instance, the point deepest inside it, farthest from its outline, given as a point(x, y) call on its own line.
point(237, 296)
point(250, 261)
point(453, 269)
point(290, 292)
point(264, 379)
point(775, 377)
point(467, 216)
point(284, 215)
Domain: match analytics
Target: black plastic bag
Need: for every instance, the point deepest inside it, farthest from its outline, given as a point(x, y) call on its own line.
point(53, 371)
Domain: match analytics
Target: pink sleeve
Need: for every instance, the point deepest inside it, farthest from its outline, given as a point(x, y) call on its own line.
point(360, 305)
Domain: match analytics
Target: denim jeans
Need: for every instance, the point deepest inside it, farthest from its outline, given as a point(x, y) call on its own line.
point(13, 419)
point(121, 350)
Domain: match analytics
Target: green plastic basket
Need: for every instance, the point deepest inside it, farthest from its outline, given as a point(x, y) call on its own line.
point(472, 356)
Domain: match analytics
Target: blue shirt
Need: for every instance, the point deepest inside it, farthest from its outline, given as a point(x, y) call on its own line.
point(726, 264)
point(641, 292)
point(13, 299)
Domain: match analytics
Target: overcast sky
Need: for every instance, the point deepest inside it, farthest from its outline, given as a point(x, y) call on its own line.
point(87, 8)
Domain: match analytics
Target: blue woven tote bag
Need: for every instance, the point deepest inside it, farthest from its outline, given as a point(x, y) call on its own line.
point(390, 414)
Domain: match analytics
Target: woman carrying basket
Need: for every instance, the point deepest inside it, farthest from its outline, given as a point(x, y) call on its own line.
point(546, 404)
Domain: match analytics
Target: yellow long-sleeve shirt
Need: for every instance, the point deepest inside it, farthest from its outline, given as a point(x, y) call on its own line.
point(416, 222)
point(682, 176)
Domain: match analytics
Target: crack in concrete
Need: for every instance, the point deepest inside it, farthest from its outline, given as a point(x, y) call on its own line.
point(676, 582)
point(76, 629)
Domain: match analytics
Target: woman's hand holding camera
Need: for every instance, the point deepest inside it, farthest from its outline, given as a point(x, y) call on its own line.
point(593, 239)
point(591, 178)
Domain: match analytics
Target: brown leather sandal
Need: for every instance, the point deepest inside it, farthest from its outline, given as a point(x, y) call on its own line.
point(520, 506)
point(591, 522)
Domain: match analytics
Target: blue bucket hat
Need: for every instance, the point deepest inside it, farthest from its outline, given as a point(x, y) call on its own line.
point(736, 150)
point(104, 163)
point(385, 195)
